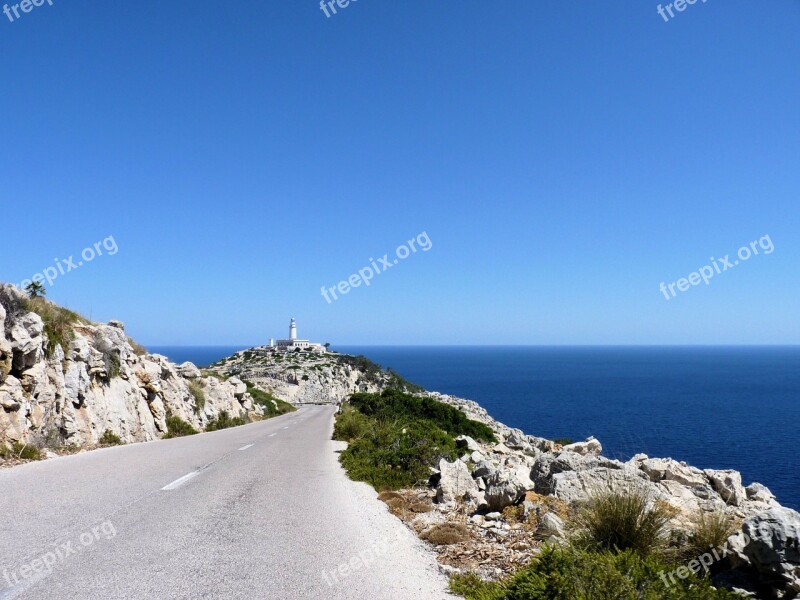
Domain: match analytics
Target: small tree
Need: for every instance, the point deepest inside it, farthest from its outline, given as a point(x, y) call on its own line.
point(35, 289)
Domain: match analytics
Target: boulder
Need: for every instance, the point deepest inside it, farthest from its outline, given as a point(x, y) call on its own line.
point(466, 442)
point(770, 543)
point(659, 469)
point(504, 488)
point(455, 482)
point(590, 447)
point(727, 484)
point(551, 525)
point(580, 486)
point(760, 493)
point(189, 371)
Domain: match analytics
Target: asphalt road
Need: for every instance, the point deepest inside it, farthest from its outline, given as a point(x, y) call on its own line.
point(260, 511)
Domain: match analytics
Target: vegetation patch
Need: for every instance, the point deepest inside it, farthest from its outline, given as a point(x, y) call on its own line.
point(199, 394)
point(273, 407)
point(20, 451)
point(569, 573)
point(224, 421)
point(395, 438)
point(109, 438)
point(58, 323)
point(446, 534)
point(393, 404)
point(624, 519)
point(177, 427)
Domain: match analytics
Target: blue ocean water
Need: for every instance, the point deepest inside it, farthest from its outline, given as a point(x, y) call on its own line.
point(202, 356)
point(714, 407)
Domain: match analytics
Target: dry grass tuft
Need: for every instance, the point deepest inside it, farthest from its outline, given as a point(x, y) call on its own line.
point(446, 534)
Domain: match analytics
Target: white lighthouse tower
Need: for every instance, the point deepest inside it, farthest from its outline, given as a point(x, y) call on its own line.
point(296, 345)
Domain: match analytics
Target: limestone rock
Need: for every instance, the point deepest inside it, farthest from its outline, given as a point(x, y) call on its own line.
point(455, 482)
point(728, 484)
point(590, 447)
point(466, 442)
point(770, 543)
point(504, 488)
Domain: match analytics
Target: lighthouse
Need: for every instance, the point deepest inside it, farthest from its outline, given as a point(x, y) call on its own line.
point(296, 345)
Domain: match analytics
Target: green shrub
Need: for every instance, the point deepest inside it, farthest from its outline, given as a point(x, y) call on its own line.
point(273, 407)
point(565, 441)
point(624, 519)
point(711, 530)
point(109, 438)
point(351, 425)
point(567, 573)
point(113, 364)
point(199, 394)
point(177, 427)
point(392, 404)
point(224, 421)
point(392, 455)
point(20, 451)
point(473, 587)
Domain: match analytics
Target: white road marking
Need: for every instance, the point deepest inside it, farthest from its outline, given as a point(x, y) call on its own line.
point(271, 434)
point(246, 447)
point(287, 427)
point(179, 482)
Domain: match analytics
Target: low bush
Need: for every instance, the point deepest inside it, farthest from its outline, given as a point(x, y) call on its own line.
point(109, 438)
point(20, 451)
point(224, 421)
point(273, 407)
point(177, 427)
point(569, 573)
point(446, 534)
point(351, 425)
point(198, 392)
point(624, 519)
point(391, 455)
point(58, 323)
point(711, 530)
point(393, 404)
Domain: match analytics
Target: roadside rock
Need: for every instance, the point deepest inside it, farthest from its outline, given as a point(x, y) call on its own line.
point(455, 482)
point(503, 488)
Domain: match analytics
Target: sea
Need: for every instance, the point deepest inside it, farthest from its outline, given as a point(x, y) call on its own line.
point(713, 407)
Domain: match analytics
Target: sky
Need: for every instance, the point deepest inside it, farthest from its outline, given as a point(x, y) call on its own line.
point(562, 159)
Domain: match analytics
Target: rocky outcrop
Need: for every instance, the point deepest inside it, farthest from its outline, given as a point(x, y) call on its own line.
point(766, 550)
point(769, 543)
point(69, 391)
point(305, 378)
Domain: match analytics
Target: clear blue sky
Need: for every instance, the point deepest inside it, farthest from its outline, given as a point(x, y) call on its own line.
point(564, 158)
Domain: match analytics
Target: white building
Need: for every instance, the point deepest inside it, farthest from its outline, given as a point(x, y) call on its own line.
point(293, 344)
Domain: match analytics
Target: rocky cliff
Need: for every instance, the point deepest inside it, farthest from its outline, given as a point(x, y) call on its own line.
point(65, 381)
